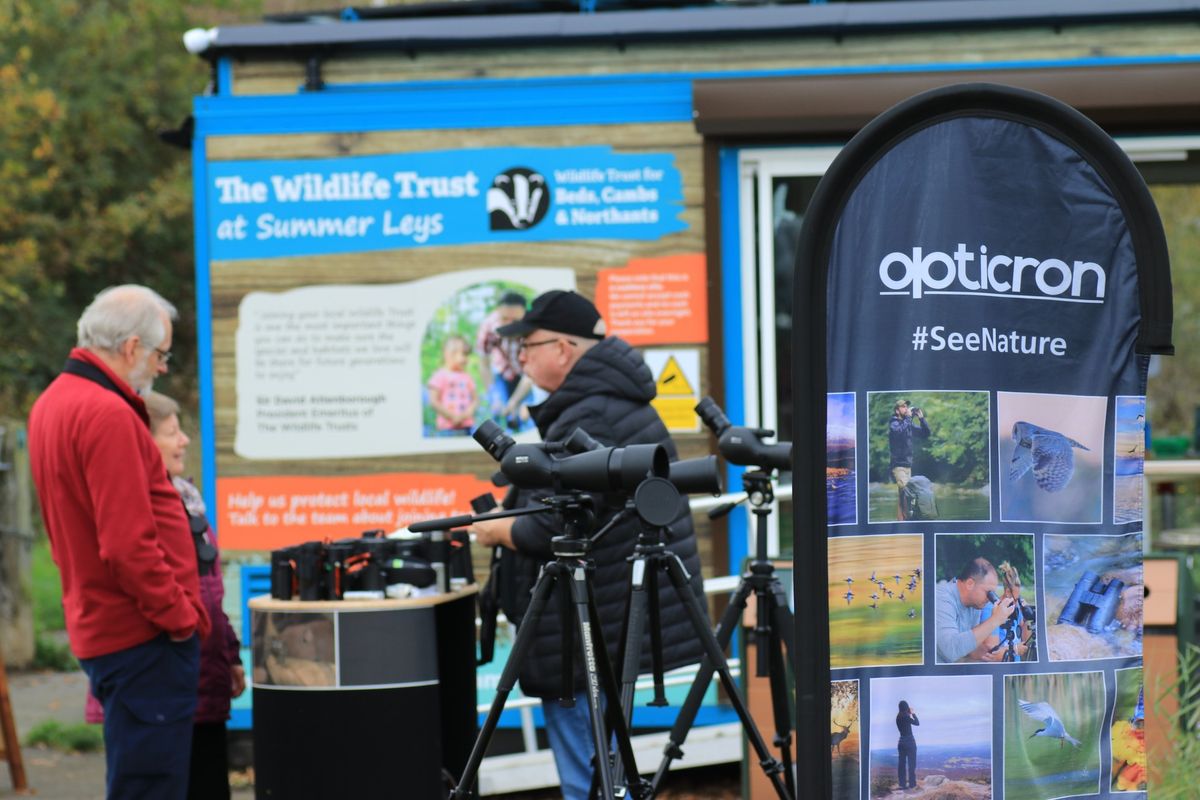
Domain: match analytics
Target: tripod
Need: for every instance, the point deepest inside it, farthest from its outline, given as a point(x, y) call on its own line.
point(1009, 641)
point(570, 573)
point(772, 630)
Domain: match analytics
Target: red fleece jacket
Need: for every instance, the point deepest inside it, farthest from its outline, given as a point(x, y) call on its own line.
point(117, 528)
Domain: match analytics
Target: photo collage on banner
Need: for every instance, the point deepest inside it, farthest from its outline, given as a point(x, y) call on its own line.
point(984, 464)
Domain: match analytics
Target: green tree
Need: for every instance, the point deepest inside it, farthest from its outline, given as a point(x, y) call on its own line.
point(89, 196)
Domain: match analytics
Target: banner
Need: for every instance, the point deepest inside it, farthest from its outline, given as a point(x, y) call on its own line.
point(271, 209)
point(987, 277)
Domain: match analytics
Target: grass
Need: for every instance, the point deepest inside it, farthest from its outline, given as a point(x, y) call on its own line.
point(75, 738)
point(47, 589)
point(1177, 774)
point(50, 651)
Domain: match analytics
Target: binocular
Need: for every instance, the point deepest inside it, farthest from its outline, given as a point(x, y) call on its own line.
point(370, 566)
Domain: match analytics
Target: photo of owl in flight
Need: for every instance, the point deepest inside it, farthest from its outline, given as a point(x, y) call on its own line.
point(1048, 453)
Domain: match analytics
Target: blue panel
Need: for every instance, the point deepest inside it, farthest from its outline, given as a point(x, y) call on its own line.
point(224, 76)
point(256, 580)
point(454, 104)
point(511, 102)
point(208, 419)
point(731, 336)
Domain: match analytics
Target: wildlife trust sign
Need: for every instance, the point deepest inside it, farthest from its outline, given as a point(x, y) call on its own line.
point(980, 477)
point(272, 209)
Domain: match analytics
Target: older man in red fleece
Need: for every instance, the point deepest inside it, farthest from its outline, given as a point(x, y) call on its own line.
point(122, 542)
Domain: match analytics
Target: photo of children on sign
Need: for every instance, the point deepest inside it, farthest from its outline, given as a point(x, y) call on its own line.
point(928, 456)
point(470, 373)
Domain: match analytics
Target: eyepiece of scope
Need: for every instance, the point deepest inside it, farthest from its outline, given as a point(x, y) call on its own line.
point(712, 416)
point(492, 438)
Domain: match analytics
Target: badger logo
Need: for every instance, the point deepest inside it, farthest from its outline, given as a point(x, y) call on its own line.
point(518, 199)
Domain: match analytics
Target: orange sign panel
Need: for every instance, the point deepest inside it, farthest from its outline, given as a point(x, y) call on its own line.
point(265, 513)
point(656, 300)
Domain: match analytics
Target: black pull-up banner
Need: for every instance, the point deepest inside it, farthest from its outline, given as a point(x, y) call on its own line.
point(986, 277)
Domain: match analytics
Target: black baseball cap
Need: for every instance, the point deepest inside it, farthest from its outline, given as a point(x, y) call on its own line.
point(560, 311)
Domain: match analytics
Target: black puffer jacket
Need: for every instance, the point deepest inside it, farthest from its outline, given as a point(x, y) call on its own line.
point(608, 394)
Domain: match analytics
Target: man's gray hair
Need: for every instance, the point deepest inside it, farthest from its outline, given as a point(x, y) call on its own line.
point(121, 312)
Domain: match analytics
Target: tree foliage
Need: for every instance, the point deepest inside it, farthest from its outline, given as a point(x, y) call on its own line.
point(89, 196)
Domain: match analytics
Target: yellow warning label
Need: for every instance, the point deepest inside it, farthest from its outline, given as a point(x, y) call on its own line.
point(677, 413)
point(672, 381)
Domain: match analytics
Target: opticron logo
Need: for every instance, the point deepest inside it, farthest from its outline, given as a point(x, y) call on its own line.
point(517, 199)
point(964, 272)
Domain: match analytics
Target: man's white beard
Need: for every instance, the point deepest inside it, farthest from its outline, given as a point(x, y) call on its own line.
point(141, 377)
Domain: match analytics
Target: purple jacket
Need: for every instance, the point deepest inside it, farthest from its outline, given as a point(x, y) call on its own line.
point(220, 651)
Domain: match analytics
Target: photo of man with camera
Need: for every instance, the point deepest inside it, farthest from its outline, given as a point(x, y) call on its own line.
point(601, 385)
point(981, 613)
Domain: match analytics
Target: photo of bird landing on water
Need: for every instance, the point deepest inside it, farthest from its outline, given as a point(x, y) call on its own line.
point(1052, 729)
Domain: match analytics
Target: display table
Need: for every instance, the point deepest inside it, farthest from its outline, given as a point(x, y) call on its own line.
point(362, 698)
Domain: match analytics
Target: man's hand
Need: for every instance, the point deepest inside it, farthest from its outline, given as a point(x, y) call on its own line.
point(492, 532)
point(1004, 608)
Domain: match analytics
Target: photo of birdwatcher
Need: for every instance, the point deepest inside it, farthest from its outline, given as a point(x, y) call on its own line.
point(1052, 729)
point(985, 598)
point(930, 736)
point(929, 456)
point(1051, 449)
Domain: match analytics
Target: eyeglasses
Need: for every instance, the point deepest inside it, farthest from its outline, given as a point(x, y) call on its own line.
point(164, 356)
point(526, 345)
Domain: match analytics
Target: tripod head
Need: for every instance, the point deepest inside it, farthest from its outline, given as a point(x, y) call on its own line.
point(744, 446)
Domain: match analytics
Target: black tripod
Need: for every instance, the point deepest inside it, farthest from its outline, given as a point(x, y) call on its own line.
point(1010, 638)
point(651, 557)
point(772, 630)
point(571, 573)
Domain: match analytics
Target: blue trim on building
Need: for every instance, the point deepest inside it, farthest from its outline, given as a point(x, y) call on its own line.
point(525, 102)
point(732, 346)
point(208, 417)
point(224, 76)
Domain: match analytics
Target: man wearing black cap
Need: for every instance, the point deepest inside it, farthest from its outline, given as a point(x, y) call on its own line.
point(602, 385)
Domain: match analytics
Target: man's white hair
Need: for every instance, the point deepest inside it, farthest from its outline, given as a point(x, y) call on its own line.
point(121, 312)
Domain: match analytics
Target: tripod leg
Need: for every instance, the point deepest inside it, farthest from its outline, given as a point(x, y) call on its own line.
point(782, 617)
point(567, 696)
point(691, 705)
point(656, 651)
point(781, 707)
point(634, 628)
point(770, 765)
point(508, 678)
point(600, 678)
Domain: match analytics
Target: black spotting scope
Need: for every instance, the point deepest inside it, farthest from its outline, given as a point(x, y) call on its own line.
point(744, 446)
point(691, 476)
point(607, 469)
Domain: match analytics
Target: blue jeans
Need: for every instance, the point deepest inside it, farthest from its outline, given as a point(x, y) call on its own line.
point(570, 734)
point(149, 696)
